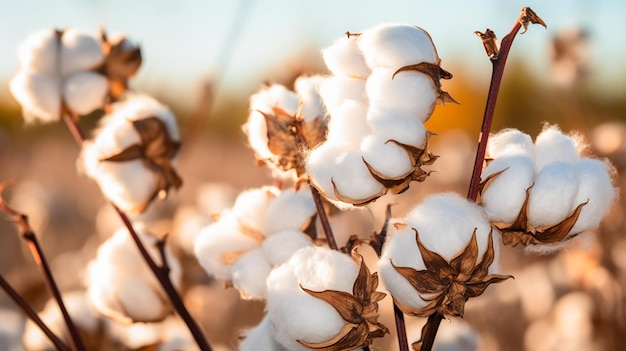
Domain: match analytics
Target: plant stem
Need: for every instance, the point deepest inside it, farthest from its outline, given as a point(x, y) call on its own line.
point(403, 341)
point(328, 232)
point(430, 332)
point(161, 273)
point(30, 313)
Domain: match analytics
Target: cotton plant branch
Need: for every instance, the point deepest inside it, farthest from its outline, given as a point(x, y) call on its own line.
point(27, 233)
point(161, 272)
point(328, 232)
point(498, 59)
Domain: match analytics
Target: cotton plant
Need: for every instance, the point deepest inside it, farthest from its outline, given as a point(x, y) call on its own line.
point(132, 156)
point(284, 124)
point(384, 85)
point(542, 194)
point(262, 229)
point(119, 284)
point(70, 72)
point(322, 299)
point(439, 255)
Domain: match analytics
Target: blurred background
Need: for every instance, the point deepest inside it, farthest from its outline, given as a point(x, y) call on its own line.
point(205, 58)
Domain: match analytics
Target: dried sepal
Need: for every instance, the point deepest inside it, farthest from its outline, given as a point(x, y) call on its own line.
point(121, 62)
point(529, 16)
point(359, 310)
point(355, 202)
point(156, 151)
point(490, 43)
point(448, 285)
point(435, 73)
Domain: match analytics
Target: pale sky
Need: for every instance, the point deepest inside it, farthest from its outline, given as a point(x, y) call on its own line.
point(184, 42)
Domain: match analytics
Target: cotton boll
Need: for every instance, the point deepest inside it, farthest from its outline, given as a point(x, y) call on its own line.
point(80, 51)
point(139, 106)
point(39, 52)
point(289, 210)
point(251, 205)
point(397, 125)
point(509, 142)
point(344, 58)
point(295, 314)
point(347, 125)
point(85, 92)
point(275, 95)
point(386, 157)
point(409, 91)
point(336, 90)
point(595, 185)
point(506, 193)
point(249, 274)
point(396, 45)
point(139, 301)
point(261, 337)
point(320, 166)
point(552, 197)
point(552, 145)
point(279, 247)
point(39, 95)
point(353, 179)
point(128, 185)
point(308, 91)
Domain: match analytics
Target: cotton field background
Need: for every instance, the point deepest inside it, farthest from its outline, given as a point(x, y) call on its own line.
point(215, 72)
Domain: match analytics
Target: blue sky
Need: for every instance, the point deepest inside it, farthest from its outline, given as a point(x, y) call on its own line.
point(183, 42)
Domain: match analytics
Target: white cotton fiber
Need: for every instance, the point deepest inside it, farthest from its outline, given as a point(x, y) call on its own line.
point(308, 91)
point(249, 274)
point(510, 142)
point(344, 58)
point(347, 125)
point(261, 337)
point(39, 52)
point(275, 95)
point(396, 45)
point(297, 315)
point(385, 157)
point(594, 184)
point(39, 95)
point(552, 145)
point(279, 247)
point(128, 185)
point(410, 91)
point(397, 125)
point(505, 194)
point(85, 92)
point(256, 130)
point(552, 196)
point(250, 206)
point(289, 210)
point(352, 178)
point(80, 52)
point(320, 166)
point(336, 90)
point(141, 302)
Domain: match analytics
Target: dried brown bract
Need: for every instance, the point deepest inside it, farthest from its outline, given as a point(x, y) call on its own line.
point(122, 60)
point(448, 285)
point(529, 16)
point(359, 310)
point(436, 74)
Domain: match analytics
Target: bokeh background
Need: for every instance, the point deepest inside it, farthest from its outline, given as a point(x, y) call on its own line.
point(205, 58)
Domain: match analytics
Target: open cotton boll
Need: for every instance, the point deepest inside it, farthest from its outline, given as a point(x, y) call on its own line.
point(39, 95)
point(347, 124)
point(506, 193)
point(510, 142)
point(85, 92)
point(219, 245)
point(336, 90)
point(39, 52)
point(386, 157)
point(295, 314)
point(275, 95)
point(594, 184)
point(250, 273)
point(410, 91)
point(140, 302)
point(552, 197)
point(261, 337)
point(280, 246)
point(397, 125)
point(251, 206)
point(353, 179)
point(344, 58)
point(308, 91)
point(320, 166)
point(552, 145)
point(80, 51)
point(396, 45)
point(289, 210)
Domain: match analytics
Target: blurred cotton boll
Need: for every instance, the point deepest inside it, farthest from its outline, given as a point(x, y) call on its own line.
point(261, 337)
point(132, 155)
point(120, 284)
point(58, 75)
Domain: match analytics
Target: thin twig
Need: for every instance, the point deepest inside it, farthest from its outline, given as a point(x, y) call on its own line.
point(403, 341)
point(328, 232)
point(30, 313)
point(38, 255)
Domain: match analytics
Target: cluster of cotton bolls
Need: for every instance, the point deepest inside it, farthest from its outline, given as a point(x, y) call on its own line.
point(71, 72)
point(385, 85)
point(262, 229)
point(132, 155)
point(543, 193)
point(445, 224)
point(120, 284)
point(283, 124)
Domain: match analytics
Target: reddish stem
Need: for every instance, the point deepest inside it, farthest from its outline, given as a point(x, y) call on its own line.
point(403, 341)
point(328, 232)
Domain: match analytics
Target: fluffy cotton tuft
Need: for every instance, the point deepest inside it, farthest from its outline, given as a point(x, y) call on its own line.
point(261, 337)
